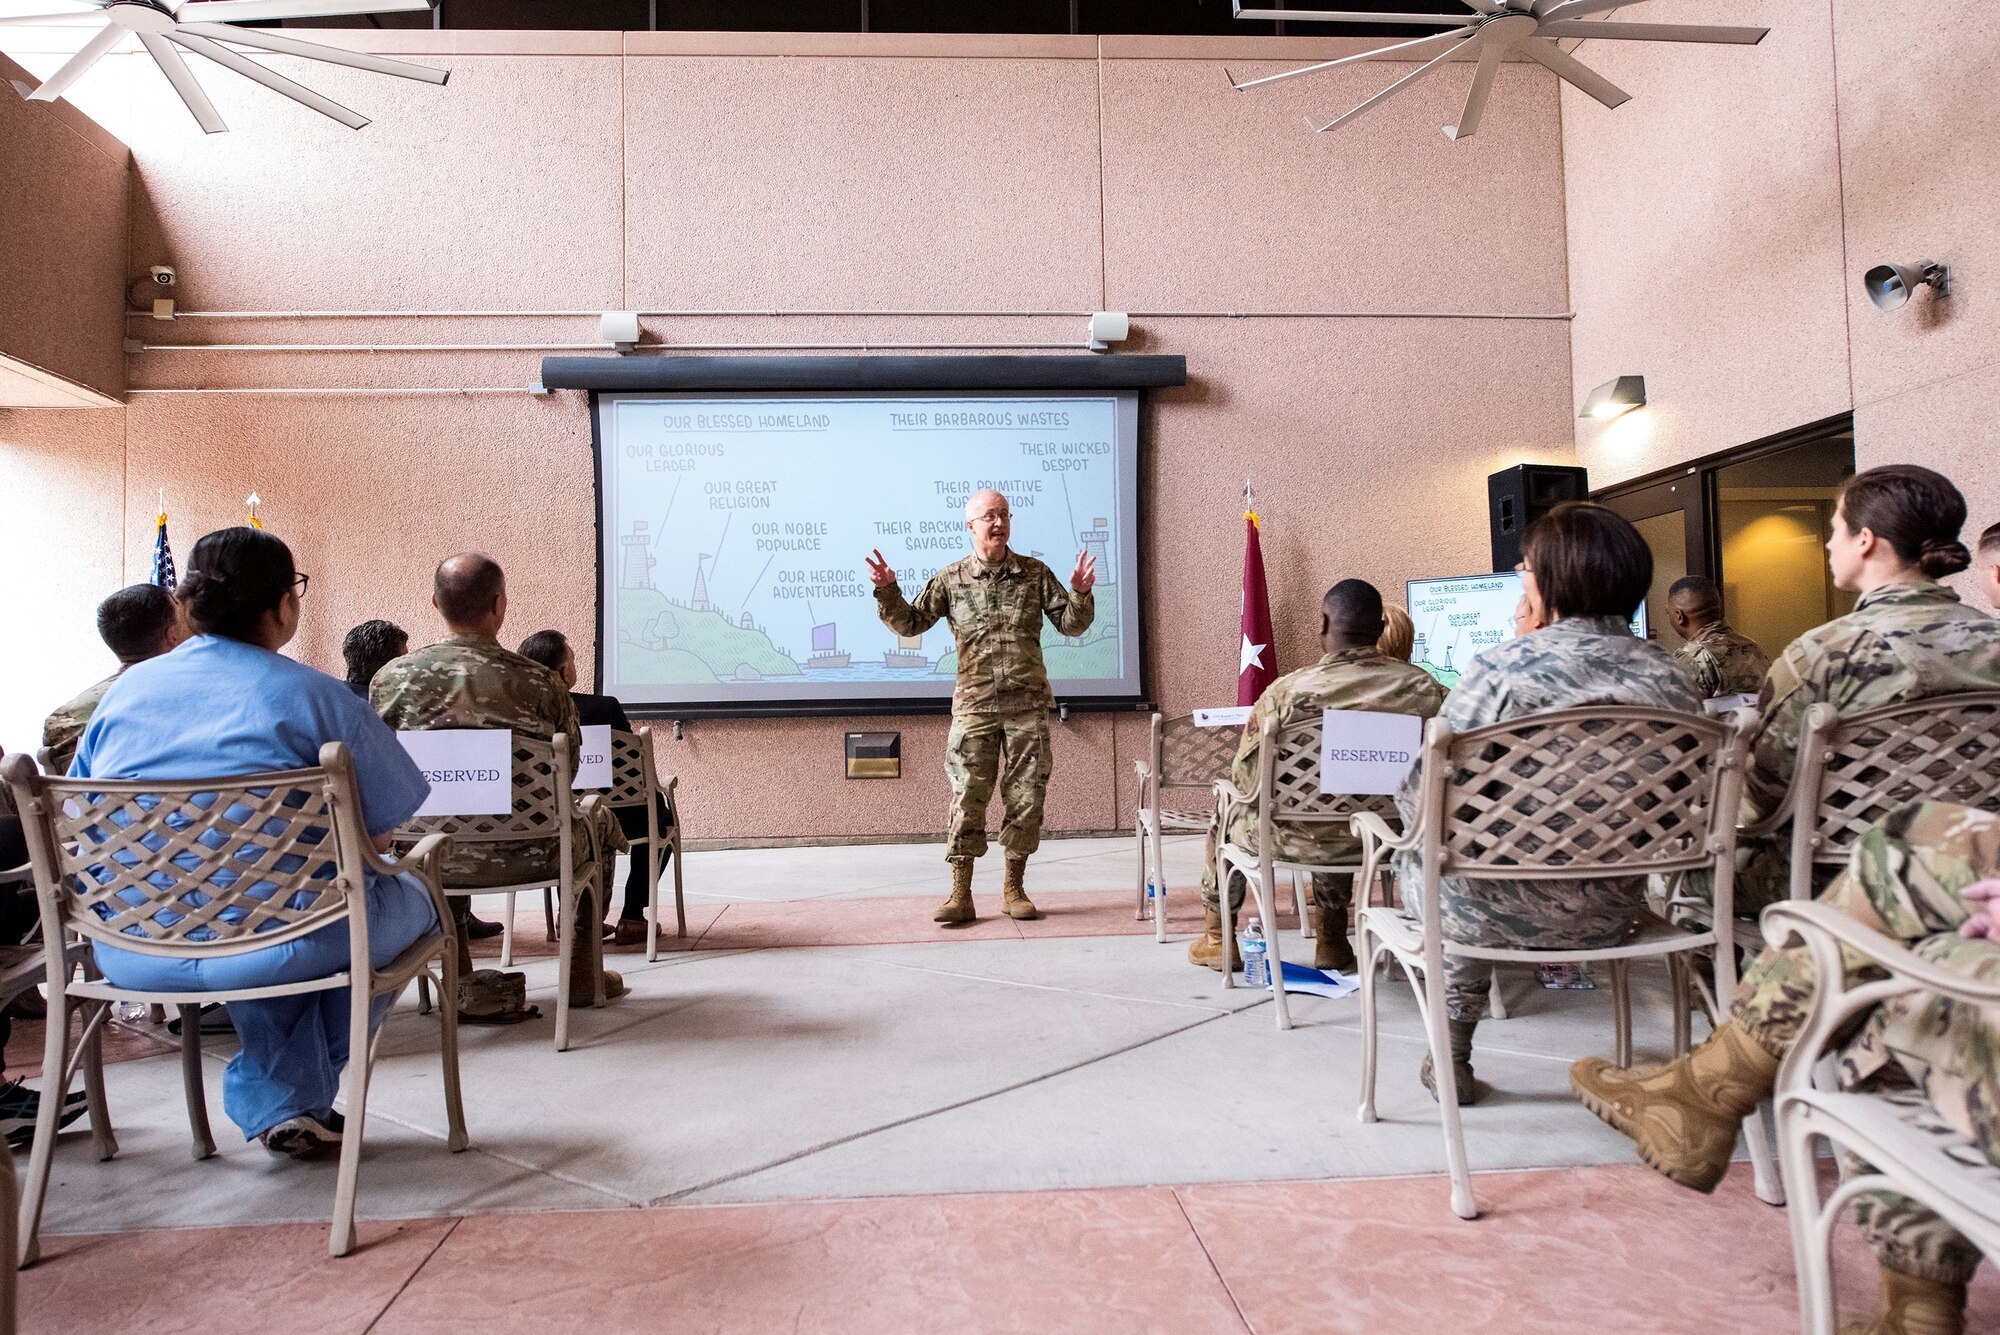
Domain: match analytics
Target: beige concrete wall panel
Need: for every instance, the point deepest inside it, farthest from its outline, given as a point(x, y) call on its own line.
point(870, 184)
point(61, 512)
point(1921, 164)
point(499, 190)
point(62, 241)
point(1704, 237)
point(1950, 425)
point(1220, 200)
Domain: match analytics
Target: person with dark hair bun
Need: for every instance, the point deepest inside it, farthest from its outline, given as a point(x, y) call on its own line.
point(138, 622)
point(1585, 572)
point(1894, 536)
point(228, 703)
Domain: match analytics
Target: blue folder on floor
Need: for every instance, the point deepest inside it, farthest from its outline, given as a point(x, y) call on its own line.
point(1299, 978)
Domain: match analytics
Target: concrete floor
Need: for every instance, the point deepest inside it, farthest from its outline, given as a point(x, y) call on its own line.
point(936, 1063)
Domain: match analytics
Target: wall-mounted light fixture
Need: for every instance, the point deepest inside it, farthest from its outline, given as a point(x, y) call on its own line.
point(1108, 327)
point(1890, 285)
point(620, 329)
point(1615, 398)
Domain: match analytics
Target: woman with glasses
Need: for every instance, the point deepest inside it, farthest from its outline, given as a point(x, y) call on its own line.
point(228, 703)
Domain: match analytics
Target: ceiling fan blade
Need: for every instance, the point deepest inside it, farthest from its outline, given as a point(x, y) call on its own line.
point(93, 51)
point(1345, 16)
point(87, 15)
point(242, 11)
point(182, 78)
point(272, 80)
point(1545, 10)
point(266, 40)
point(1389, 92)
point(1575, 71)
point(1490, 56)
point(1377, 54)
point(1654, 32)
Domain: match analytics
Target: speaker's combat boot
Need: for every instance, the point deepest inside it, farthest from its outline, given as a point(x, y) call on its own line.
point(1683, 1115)
point(1909, 1305)
point(959, 907)
point(1207, 949)
point(1014, 900)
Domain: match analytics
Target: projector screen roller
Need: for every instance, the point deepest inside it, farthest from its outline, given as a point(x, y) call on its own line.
point(735, 528)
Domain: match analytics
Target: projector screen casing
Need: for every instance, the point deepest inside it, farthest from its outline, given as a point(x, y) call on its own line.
point(817, 693)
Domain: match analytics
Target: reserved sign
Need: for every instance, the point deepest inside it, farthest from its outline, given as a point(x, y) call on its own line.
point(1233, 717)
point(470, 770)
point(1729, 704)
point(1365, 753)
point(593, 766)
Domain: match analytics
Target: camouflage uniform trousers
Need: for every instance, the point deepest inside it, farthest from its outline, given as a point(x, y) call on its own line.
point(595, 842)
point(1903, 881)
point(1332, 891)
point(978, 750)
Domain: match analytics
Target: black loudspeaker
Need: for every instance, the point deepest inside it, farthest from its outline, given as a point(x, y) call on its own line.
point(1516, 497)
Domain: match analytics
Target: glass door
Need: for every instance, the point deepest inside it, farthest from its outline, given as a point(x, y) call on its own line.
point(1774, 513)
point(1671, 518)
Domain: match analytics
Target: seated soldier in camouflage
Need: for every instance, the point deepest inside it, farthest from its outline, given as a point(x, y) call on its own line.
point(136, 623)
point(1354, 674)
point(1917, 879)
point(1585, 572)
point(467, 680)
point(1717, 660)
point(1895, 534)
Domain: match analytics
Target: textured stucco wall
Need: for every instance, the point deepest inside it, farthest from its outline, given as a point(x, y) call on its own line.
point(1720, 223)
point(756, 171)
point(63, 218)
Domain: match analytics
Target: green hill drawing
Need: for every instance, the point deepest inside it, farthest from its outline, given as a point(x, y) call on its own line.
point(667, 643)
point(1095, 656)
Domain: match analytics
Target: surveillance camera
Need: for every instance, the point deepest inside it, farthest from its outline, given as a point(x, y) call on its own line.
point(163, 275)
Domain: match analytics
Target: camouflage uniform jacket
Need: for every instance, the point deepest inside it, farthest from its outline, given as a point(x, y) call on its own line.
point(1905, 641)
point(1720, 662)
point(471, 681)
point(995, 613)
point(64, 728)
point(1574, 662)
point(1362, 678)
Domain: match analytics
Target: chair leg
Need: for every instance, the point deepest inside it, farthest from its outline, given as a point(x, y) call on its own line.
point(1368, 950)
point(549, 912)
point(1139, 904)
point(507, 934)
point(361, 1057)
point(1159, 886)
point(1436, 1025)
point(1760, 1129)
point(565, 966)
point(1228, 910)
point(55, 1062)
point(680, 900)
point(1267, 903)
point(1496, 996)
point(192, 1084)
point(652, 905)
point(1683, 1002)
point(424, 991)
point(10, 1239)
point(1306, 925)
point(101, 1135)
point(454, 1099)
point(1811, 1259)
point(1621, 1011)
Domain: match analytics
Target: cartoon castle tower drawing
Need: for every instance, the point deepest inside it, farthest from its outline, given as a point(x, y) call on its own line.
point(639, 562)
point(699, 602)
point(1097, 544)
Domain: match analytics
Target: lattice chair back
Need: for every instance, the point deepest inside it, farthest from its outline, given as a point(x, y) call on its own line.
point(1185, 756)
point(542, 809)
point(199, 866)
point(1853, 771)
point(1289, 777)
point(631, 769)
point(1602, 791)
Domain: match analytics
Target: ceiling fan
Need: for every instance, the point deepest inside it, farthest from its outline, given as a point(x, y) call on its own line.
point(1492, 30)
point(203, 26)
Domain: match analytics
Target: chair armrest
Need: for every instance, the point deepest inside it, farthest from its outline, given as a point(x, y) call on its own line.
point(667, 787)
point(1228, 798)
point(424, 860)
point(1142, 769)
point(1804, 918)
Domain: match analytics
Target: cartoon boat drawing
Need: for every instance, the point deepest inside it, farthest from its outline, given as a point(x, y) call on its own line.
point(826, 653)
point(909, 653)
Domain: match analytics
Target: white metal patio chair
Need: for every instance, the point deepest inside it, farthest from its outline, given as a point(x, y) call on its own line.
point(205, 868)
point(1180, 758)
point(1578, 794)
point(635, 784)
point(1898, 1134)
point(545, 808)
point(1288, 795)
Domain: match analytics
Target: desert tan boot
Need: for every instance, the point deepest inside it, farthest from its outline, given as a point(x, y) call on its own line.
point(959, 907)
point(1910, 1305)
point(1330, 947)
point(1014, 900)
point(1206, 949)
point(1683, 1116)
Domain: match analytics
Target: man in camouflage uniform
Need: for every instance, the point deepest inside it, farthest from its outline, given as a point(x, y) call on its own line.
point(1917, 879)
point(467, 680)
point(136, 623)
point(1905, 640)
point(1354, 673)
point(994, 601)
point(1716, 659)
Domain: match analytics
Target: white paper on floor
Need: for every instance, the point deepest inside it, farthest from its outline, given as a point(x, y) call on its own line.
point(1298, 978)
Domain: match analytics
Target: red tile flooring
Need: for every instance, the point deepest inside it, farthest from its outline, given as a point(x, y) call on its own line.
point(1561, 1251)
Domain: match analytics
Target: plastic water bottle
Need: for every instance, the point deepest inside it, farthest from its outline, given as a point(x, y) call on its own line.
point(132, 1012)
point(1151, 893)
point(1256, 955)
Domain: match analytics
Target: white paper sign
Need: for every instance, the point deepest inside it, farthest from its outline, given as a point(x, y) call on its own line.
point(1233, 717)
point(1728, 704)
point(470, 770)
point(1362, 752)
point(593, 767)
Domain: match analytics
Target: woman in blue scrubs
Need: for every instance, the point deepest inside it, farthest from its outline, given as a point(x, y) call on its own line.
point(227, 703)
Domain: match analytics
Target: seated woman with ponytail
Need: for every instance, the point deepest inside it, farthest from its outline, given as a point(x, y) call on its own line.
point(227, 703)
point(1895, 535)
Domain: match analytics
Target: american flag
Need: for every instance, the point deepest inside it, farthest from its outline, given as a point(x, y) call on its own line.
point(163, 554)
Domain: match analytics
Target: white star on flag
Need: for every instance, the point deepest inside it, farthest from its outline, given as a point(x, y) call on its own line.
point(1253, 656)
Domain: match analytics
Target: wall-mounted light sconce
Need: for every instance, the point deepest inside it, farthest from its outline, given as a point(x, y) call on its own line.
point(874, 755)
point(1108, 327)
point(620, 329)
point(1615, 398)
point(1889, 285)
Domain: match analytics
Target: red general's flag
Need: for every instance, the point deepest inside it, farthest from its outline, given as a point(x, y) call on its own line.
point(1258, 665)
